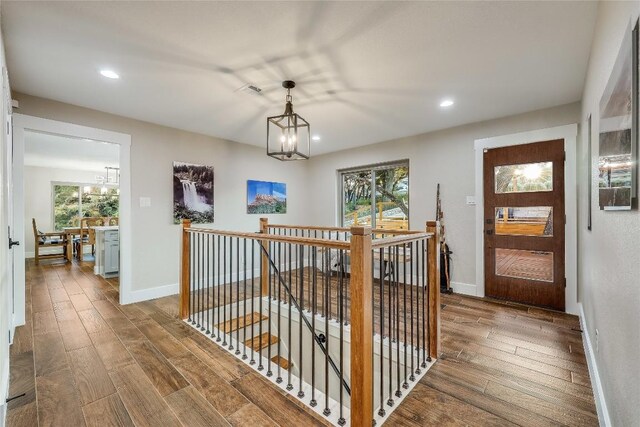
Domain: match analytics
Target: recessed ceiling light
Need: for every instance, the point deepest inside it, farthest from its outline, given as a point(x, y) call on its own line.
point(446, 103)
point(110, 74)
point(315, 137)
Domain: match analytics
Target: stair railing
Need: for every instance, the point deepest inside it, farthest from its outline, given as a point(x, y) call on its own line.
point(381, 286)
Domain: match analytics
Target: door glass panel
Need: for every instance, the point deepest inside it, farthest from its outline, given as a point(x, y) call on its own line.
point(523, 264)
point(356, 198)
point(526, 177)
point(525, 221)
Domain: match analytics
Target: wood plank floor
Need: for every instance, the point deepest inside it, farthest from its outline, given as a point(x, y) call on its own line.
point(82, 359)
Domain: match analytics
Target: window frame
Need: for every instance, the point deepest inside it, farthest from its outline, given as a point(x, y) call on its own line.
point(373, 168)
point(79, 185)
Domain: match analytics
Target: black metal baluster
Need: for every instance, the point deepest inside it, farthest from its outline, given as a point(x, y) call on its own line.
point(252, 361)
point(390, 353)
point(279, 377)
point(424, 302)
point(330, 282)
point(429, 296)
point(244, 300)
point(300, 310)
point(224, 294)
point(208, 283)
point(327, 308)
point(418, 324)
point(192, 294)
point(314, 308)
point(199, 262)
point(341, 420)
point(262, 261)
point(397, 318)
point(411, 286)
point(289, 385)
point(407, 256)
point(237, 318)
point(381, 411)
point(212, 257)
point(218, 269)
point(204, 281)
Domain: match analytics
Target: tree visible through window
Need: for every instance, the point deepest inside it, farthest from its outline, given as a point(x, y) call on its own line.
point(73, 201)
point(386, 205)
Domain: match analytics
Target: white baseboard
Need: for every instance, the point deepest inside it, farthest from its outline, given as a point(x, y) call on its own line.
point(150, 293)
point(596, 384)
point(464, 288)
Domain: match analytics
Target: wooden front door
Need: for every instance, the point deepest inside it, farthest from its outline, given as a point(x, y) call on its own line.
point(524, 223)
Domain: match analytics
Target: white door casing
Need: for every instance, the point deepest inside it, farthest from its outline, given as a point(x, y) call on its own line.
point(23, 123)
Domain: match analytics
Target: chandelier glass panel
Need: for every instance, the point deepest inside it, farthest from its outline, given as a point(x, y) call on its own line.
point(288, 135)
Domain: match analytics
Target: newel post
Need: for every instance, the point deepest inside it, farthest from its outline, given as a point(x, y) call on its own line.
point(185, 270)
point(264, 271)
point(433, 269)
point(361, 328)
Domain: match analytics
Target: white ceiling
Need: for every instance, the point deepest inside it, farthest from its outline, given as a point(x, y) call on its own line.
point(366, 71)
point(62, 152)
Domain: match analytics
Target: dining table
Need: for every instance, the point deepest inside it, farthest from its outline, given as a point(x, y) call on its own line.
point(71, 232)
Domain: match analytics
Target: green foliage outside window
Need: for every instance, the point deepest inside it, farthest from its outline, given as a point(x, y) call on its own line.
point(70, 202)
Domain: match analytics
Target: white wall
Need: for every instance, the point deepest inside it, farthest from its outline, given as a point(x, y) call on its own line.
point(446, 157)
point(156, 240)
point(609, 255)
point(38, 197)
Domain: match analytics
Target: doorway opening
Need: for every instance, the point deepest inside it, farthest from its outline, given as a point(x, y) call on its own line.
point(71, 200)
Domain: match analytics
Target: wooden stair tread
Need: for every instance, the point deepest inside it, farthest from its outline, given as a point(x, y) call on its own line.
point(267, 340)
point(241, 322)
point(284, 363)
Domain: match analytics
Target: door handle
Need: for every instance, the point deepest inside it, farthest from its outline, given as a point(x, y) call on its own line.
point(489, 232)
point(13, 243)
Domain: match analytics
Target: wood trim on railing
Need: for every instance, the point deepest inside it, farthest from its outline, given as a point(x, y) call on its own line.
point(433, 268)
point(185, 270)
point(361, 328)
point(398, 240)
point(308, 241)
point(343, 229)
point(264, 272)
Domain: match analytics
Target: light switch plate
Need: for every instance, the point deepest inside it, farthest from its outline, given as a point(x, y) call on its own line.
point(145, 202)
point(471, 200)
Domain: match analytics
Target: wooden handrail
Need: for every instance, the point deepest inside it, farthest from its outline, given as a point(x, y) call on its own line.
point(341, 229)
point(361, 328)
point(307, 241)
point(433, 271)
point(398, 240)
point(185, 270)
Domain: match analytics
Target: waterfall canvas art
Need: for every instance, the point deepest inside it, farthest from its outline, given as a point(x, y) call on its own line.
point(265, 197)
point(192, 193)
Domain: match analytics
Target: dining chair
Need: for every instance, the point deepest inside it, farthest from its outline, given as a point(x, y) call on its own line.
point(87, 235)
point(48, 240)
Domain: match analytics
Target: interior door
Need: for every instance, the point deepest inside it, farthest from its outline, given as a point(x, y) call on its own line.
point(7, 240)
point(525, 223)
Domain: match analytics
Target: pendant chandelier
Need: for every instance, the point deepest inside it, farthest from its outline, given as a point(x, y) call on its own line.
point(288, 135)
